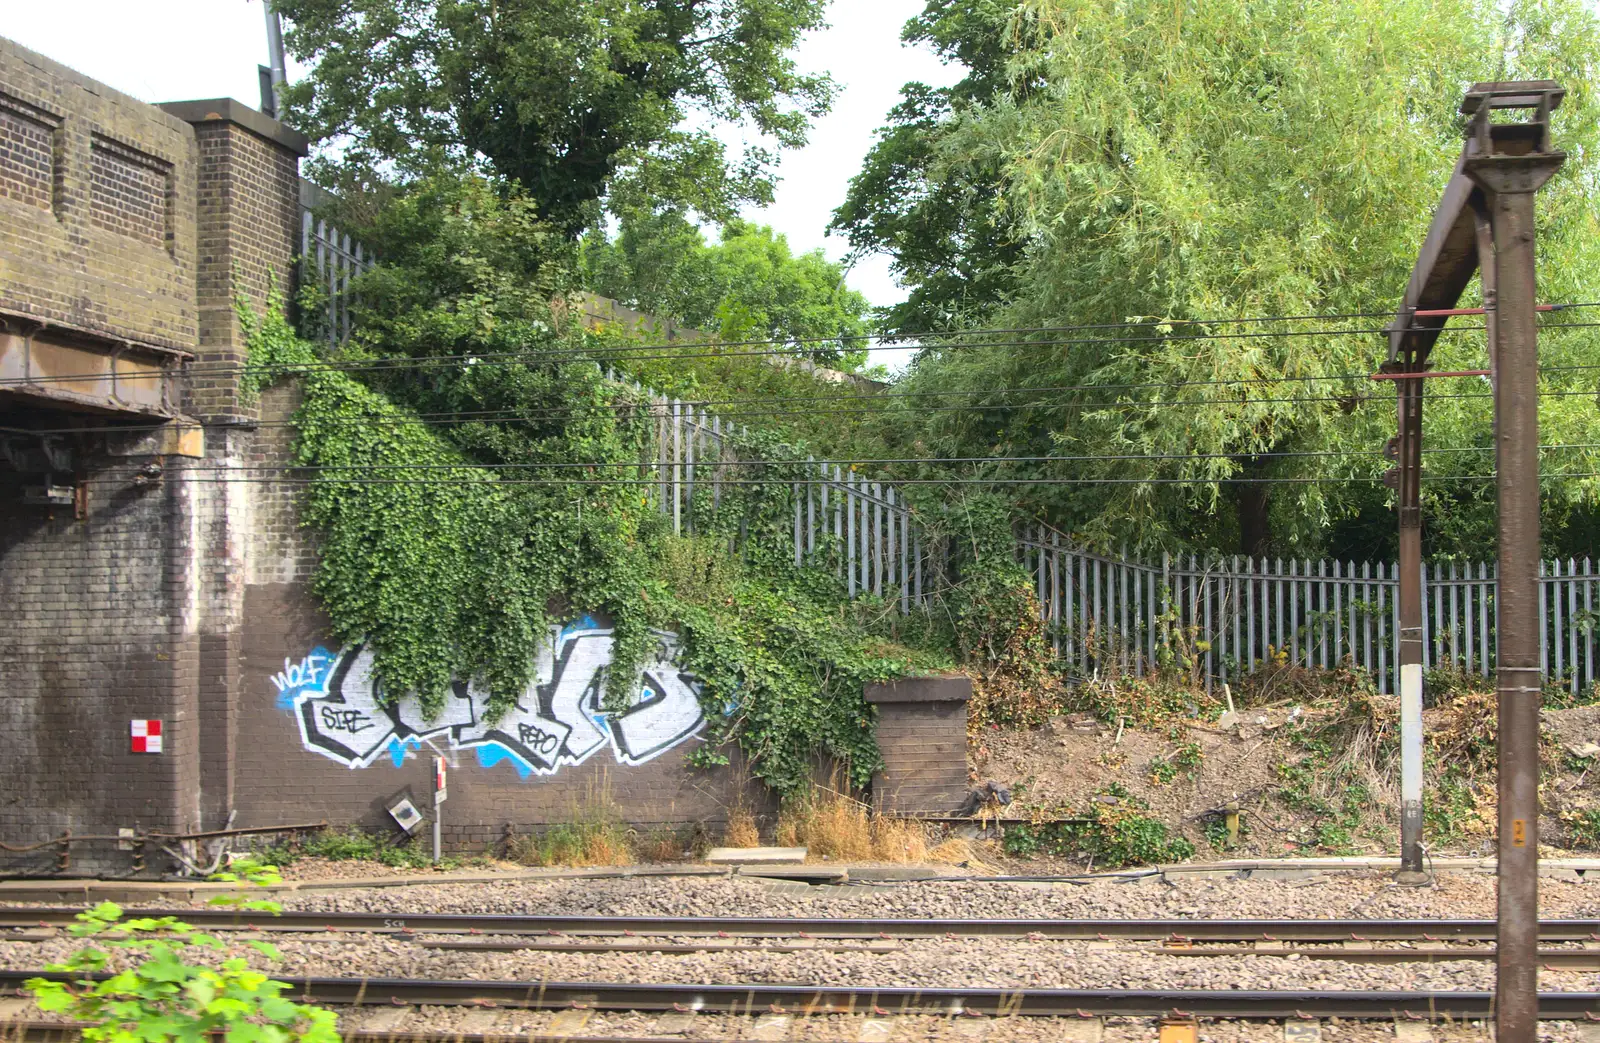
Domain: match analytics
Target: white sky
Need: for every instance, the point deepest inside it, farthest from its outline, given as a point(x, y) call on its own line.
point(171, 50)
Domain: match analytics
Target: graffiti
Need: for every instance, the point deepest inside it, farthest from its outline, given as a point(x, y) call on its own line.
point(559, 720)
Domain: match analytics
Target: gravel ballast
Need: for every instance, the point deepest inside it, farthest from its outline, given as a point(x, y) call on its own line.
point(925, 963)
point(1354, 895)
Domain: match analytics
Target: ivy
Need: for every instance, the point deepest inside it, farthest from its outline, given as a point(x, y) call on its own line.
point(449, 549)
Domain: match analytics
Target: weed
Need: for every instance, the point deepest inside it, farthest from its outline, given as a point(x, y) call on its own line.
point(1185, 760)
point(741, 831)
point(836, 826)
point(661, 844)
point(1114, 834)
point(587, 842)
point(1583, 828)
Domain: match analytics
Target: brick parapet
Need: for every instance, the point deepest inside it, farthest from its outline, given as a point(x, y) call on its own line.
point(98, 233)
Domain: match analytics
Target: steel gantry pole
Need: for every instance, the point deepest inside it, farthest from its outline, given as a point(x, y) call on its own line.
point(1486, 218)
point(1510, 162)
point(1409, 654)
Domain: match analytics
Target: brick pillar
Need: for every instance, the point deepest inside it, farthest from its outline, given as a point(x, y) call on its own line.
point(248, 229)
point(922, 733)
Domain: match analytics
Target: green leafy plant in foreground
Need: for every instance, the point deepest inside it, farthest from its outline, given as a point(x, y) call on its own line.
point(165, 997)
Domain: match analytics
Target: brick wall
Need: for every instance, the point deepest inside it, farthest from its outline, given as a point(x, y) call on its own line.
point(96, 205)
point(95, 636)
point(922, 731)
point(114, 220)
point(248, 213)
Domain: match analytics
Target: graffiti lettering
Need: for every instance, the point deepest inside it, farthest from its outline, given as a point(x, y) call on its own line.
point(537, 739)
point(558, 721)
point(351, 721)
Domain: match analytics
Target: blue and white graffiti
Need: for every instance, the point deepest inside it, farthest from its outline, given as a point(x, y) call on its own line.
point(557, 722)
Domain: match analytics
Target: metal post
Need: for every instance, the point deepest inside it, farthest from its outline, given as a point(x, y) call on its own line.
point(279, 67)
point(1410, 651)
point(1510, 162)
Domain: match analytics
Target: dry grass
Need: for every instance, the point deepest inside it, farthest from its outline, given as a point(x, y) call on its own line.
point(575, 844)
point(958, 851)
point(595, 836)
point(659, 845)
point(831, 825)
point(741, 831)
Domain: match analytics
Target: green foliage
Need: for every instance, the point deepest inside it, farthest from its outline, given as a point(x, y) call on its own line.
point(448, 551)
point(136, 983)
point(1583, 828)
point(1185, 760)
point(748, 286)
point(1116, 834)
point(941, 217)
point(355, 844)
point(570, 101)
point(1177, 164)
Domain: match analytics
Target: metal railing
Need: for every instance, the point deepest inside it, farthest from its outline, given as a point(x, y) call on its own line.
point(1232, 615)
point(330, 259)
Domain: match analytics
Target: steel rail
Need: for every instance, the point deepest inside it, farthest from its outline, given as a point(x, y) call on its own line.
point(813, 1000)
point(793, 927)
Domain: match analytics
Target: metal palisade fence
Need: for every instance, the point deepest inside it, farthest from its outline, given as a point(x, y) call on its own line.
point(1231, 615)
point(329, 260)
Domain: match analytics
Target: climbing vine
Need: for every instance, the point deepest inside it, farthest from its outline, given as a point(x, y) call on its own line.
point(448, 549)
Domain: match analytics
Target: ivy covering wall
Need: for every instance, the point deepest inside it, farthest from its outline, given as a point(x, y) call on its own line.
point(449, 546)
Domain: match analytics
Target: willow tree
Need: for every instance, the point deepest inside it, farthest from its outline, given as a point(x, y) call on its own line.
point(1172, 162)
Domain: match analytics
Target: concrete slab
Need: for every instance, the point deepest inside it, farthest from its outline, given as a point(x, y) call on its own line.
point(1082, 1030)
point(384, 1019)
point(803, 874)
point(1413, 1032)
point(1296, 1030)
point(772, 1027)
point(745, 856)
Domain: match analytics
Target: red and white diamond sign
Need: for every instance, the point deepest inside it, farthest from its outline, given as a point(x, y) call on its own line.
point(146, 735)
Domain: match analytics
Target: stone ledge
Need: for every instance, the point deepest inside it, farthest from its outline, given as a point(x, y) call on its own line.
point(948, 688)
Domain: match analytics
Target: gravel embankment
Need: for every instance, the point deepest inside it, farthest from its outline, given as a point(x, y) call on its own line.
point(1363, 895)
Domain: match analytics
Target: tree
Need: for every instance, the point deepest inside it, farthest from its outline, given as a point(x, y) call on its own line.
point(569, 99)
point(748, 285)
point(945, 225)
point(1173, 164)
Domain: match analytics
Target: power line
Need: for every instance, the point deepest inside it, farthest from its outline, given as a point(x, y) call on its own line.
point(709, 463)
point(836, 483)
point(629, 353)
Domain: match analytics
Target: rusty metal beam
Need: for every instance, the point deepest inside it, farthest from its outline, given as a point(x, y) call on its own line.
point(50, 371)
point(1446, 264)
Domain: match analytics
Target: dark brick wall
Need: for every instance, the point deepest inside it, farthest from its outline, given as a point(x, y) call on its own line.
point(86, 241)
point(114, 219)
point(129, 191)
point(922, 731)
point(249, 227)
point(97, 633)
point(280, 782)
point(27, 154)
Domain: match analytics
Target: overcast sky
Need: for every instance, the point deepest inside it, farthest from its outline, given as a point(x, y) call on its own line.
point(170, 50)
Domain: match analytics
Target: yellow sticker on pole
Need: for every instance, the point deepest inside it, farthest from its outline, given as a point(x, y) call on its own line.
point(1519, 832)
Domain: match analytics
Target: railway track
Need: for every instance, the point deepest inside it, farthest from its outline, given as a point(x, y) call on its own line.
point(809, 1000)
point(1330, 932)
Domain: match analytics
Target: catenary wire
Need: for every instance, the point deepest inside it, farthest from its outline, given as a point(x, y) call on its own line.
point(622, 354)
point(629, 353)
point(709, 463)
point(657, 482)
